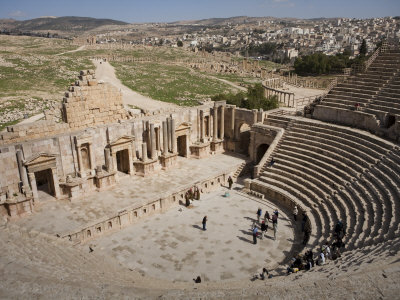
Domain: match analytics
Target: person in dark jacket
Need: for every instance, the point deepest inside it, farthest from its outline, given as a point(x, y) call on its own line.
point(204, 222)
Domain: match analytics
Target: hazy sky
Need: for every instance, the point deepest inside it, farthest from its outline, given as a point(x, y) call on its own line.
point(173, 10)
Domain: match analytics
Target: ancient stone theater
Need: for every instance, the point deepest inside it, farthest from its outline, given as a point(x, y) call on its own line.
point(75, 192)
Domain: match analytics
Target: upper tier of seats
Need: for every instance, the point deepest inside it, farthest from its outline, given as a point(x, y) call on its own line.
point(379, 82)
point(369, 100)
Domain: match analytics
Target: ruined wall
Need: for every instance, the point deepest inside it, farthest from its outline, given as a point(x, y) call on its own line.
point(88, 103)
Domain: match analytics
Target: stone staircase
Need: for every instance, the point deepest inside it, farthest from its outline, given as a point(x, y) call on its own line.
point(368, 100)
point(364, 88)
point(338, 173)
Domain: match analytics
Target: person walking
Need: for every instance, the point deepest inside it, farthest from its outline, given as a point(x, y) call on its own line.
point(259, 212)
point(255, 233)
point(275, 230)
point(263, 229)
point(274, 219)
point(230, 182)
point(204, 222)
point(267, 216)
point(295, 212)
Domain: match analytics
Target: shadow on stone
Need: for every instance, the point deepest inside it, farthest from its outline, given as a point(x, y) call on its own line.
point(197, 227)
point(244, 239)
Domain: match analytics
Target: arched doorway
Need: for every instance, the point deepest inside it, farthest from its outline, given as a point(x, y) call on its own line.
point(244, 137)
point(261, 151)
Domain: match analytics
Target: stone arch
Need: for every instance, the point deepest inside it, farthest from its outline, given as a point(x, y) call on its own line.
point(85, 157)
point(244, 137)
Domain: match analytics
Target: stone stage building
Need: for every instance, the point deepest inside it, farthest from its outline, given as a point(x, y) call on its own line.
point(97, 142)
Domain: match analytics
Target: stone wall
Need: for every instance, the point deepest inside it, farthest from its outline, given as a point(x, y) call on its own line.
point(88, 103)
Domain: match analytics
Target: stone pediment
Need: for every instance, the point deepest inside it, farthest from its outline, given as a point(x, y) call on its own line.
point(83, 138)
point(184, 125)
point(122, 140)
point(40, 159)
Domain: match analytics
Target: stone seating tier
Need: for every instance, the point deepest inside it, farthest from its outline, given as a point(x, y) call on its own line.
point(342, 173)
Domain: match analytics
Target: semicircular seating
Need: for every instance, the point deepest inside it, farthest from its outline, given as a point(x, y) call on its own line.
point(339, 173)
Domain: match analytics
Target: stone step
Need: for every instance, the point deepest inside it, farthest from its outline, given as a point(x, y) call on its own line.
point(322, 190)
point(372, 155)
point(333, 150)
point(363, 137)
point(314, 217)
point(384, 108)
point(334, 104)
point(327, 220)
point(335, 167)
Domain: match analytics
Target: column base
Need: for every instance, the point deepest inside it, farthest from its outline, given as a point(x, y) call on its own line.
point(217, 146)
point(144, 168)
point(168, 160)
point(200, 150)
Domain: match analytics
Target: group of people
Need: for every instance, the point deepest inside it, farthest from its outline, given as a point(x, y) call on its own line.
point(192, 194)
point(264, 224)
point(328, 250)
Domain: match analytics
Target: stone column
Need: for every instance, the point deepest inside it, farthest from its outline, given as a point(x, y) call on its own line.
point(165, 138)
point(22, 170)
point(201, 125)
point(114, 161)
point(32, 179)
point(222, 131)
point(169, 131)
point(130, 162)
point(233, 122)
point(108, 160)
point(173, 139)
point(92, 157)
point(144, 152)
point(56, 182)
point(153, 142)
point(133, 146)
point(215, 123)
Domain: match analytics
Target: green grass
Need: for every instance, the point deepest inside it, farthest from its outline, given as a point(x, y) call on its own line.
point(169, 83)
point(237, 79)
point(4, 125)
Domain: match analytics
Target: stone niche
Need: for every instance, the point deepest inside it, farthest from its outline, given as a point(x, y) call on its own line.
point(42, 173)
point(85, 154)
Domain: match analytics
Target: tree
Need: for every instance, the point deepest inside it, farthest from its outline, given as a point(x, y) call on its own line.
point(363, 48)
point(179, 43)
point(253, 99)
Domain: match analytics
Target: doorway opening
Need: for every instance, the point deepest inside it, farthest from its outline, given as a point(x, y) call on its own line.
point(123, 161)
point(261, 151)
point(44, 181)
point(182, 145)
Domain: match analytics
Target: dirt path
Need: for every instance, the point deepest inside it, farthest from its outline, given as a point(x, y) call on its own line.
point(106, 72)
point(76, 50)
point(231, 84)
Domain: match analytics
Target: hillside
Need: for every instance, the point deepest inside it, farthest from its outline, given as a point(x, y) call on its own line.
point(61, 24)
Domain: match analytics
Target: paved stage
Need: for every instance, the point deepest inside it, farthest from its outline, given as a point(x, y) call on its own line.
point(173, 245)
